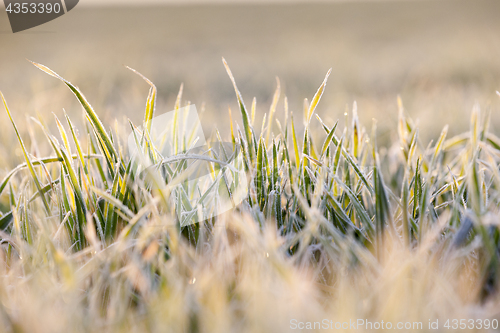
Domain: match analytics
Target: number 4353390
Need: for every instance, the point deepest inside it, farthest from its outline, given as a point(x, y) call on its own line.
point(463, 324)
point(33, 8)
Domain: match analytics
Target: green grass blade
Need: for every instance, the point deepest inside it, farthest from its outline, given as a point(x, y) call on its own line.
point(317, 98)
point(92, 115)
point(272, 109)
point(244, 114)
point(150, 103)
point(328, 139)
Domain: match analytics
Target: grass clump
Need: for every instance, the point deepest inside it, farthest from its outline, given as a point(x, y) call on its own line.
point(334, 229)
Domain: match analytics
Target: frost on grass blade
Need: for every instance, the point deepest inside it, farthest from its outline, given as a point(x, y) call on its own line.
point(91, 114)
point(205, 179)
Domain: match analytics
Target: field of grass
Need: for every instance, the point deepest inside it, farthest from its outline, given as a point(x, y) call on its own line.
point(332, 228)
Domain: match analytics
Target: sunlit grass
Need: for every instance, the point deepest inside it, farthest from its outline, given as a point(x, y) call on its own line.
point(336, 229)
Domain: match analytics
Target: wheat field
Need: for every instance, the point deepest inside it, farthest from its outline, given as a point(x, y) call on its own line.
point(357, 199)
point(334, 229)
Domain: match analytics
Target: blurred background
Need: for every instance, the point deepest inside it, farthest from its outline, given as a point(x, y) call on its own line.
point(440, 56)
